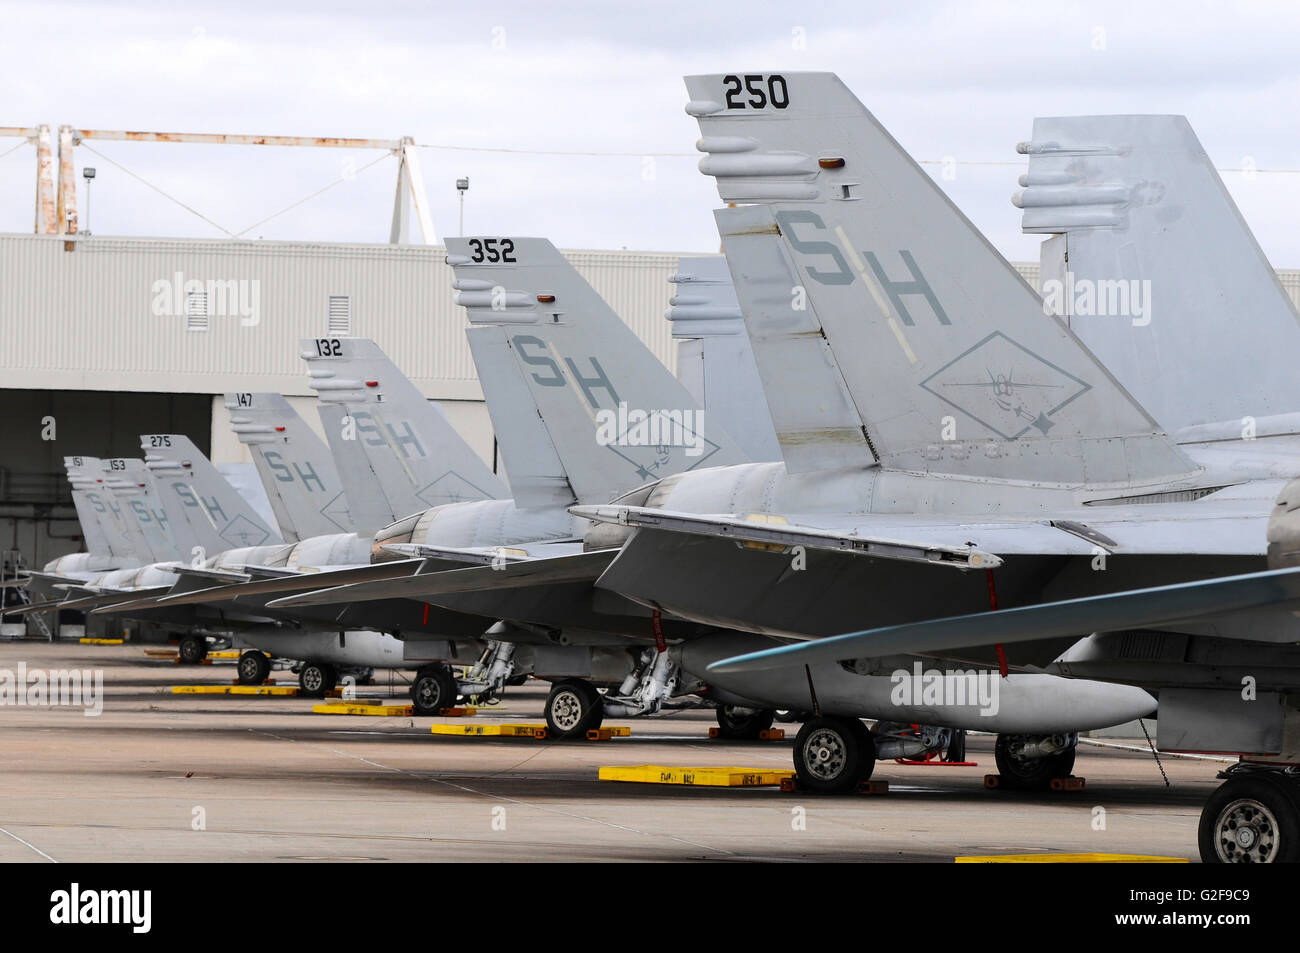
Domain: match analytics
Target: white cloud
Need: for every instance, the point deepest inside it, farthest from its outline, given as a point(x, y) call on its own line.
point(960, 79)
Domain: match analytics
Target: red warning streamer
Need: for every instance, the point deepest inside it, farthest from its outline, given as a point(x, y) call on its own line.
point(993, 607)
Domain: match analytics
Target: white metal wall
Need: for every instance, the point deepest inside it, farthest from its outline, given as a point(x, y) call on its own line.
point(84, 318)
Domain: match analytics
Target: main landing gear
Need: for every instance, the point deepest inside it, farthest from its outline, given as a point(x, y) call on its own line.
point(433, 690)
point(1030, 762)
point(1252, 818)
point(317, 679)
point(254, 667)
point(833, 755)
point(743, 724)
point(573, 708)
point(193, 649)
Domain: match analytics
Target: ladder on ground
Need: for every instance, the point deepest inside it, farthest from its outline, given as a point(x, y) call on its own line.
point(12, 565)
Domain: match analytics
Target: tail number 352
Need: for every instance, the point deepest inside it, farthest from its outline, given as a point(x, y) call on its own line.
point(755, 91)
point(493, 250)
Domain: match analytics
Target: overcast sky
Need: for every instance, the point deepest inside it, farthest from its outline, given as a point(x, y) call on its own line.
point(962, 80)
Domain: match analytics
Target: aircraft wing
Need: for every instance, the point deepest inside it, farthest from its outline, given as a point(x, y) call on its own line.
point(573, 567)
point(766, 530)
point(1229, 527)
point(48, 604)
point(219, 575)
point(1138, 608)
point(102, 599)
point(480, 555)
point(295, 583)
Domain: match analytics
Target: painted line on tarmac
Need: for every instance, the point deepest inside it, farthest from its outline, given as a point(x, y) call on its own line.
point(32, 846)
point(497, 797)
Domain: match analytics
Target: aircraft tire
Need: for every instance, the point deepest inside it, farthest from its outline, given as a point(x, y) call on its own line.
point(433, 690)
point(316, 680)
point(193, 649)
point(833, 755)
point(1252, 818)
point(573, 708)
point(743, 724)
point(253, 667)
point(1030, 774)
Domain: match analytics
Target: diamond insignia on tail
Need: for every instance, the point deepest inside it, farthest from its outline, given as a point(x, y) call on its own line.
point(1003, 385)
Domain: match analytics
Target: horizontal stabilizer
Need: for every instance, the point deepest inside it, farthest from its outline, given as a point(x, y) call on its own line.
point(296, 583)
point(485, 556)
point(219, 575)
point(87, 603)
point(577, 567)
point(767, 530)
point(1139, 608)
point(48, 604)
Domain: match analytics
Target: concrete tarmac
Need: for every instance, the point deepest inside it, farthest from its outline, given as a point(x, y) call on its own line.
point(174, 778)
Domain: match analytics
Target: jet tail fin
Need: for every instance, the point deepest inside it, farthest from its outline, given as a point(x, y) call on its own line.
point(715, 361)
point(616, 417)
point(368, 506)
point(1155, 269)
point(416, 455)
point(894, 310)
point(294, 465)
point(83, 475)
point(145, 519)
point(194, 494)
point(534, 470)
point(122, 542)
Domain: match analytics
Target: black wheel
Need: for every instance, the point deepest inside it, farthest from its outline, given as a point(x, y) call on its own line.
point(1030, 774)
point(957, 746)
point(433, 690)
point(193, 649)
point(253, 667)
point(316, 680)
point(743, 724)
point(1251, 819)
point(832, 755)
point(573, 708)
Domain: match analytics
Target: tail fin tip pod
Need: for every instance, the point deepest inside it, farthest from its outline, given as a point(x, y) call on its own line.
point(1151, 261)
point(615, 416)
point(903, 317)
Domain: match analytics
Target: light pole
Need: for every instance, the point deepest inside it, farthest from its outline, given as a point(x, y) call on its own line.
point(89, 174)
point(462, 186)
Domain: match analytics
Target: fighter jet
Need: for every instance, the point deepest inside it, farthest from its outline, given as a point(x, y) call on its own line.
point(940, 422)
point(108, 545)
point(164, 509)
point(566, 362)
point(549, 469)
point(1189, 591)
